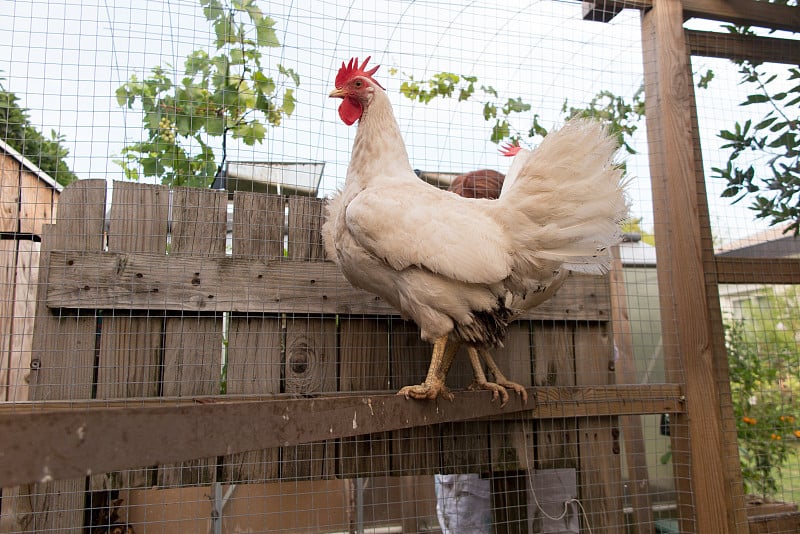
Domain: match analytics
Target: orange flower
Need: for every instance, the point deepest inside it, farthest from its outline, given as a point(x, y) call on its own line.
point(776, 437)
point(797, 433)
point(749, 420)
point(787, 419)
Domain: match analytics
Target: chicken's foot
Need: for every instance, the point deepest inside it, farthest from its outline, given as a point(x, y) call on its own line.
point(498, 387)
point(434, 384)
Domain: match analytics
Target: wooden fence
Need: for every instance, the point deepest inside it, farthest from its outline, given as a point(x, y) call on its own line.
point(143, 318)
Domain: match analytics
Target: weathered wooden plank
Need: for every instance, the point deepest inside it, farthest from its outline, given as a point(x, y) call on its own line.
point(716, 331)
point(752, 271)
point(745, 12)
point(304, 236)
point(512, 443)
point(62, 357)
point(7, 290)
point(72, 437)
point(631, 425)
point(465, 447)
point(554, 365)
point(129, 350)
point(701, 474)
point(310, 369)
point(138, 281)
point(9, 193)
point(510, 502)
point(26, 280)
point(37, 204)
point(363, 365)
point(310, 353)
point(599, 473)
point(254, 354)
point(414, 450)
point(193, 344)
point(258, 226)
point(743, 47)
point(130, 344)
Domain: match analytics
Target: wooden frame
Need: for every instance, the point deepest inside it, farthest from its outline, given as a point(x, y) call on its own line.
point(142, 294)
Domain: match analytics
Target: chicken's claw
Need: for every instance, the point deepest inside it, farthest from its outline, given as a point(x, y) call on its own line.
point(497, 390)
point(427, 390)
point(518, 388)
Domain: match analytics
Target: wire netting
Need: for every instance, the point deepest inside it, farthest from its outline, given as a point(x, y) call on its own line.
point(166, 167)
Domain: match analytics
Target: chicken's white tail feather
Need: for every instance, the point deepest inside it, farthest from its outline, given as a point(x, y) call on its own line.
point(564, 200)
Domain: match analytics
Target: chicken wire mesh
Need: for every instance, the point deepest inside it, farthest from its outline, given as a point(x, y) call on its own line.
point(187, 264)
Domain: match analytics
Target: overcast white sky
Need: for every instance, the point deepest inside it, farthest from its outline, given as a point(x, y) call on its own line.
point(65, 60)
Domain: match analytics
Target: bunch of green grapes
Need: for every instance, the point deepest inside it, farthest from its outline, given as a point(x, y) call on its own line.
point(167, 130)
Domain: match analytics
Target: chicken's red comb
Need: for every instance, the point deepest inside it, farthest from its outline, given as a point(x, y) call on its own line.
point(349, 71)
point(510, 149)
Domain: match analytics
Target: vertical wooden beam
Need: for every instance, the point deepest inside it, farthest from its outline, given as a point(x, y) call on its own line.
point(706, 498)
point(599, 472)
point(625, 372)
point(730, 454)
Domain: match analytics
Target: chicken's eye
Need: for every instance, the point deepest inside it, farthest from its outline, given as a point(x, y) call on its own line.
point(359, 83)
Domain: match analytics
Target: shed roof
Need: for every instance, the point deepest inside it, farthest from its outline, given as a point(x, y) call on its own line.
point(29, 166)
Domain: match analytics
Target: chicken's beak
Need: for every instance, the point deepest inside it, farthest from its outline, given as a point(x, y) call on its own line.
point(337, 93)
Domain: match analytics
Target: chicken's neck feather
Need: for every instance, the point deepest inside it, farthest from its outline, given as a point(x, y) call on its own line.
point(378, 149)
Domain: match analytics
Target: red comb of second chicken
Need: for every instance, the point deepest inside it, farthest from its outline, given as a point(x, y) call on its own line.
point(510, 149)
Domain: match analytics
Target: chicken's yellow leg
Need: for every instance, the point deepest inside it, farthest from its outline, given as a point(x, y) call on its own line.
point(500, 378)
point(434, 385)
point(497, 388)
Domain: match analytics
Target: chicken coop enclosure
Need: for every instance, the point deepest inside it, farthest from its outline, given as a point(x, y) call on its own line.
point(180, 354)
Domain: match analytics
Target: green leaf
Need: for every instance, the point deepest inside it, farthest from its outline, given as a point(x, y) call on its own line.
point(225, 30)
point(237, 56)
point(290, 73)
point(215, 125)
point(515, 105)
point(183, 125)
point(212, 9)
point(264, 104)
point(288, 102)
point(500, 131)
point(123, 98)
point(262, 83)
point(250, 132)
point(265, 34)
point(765, 123)
point(755, 99)
point(489, 111)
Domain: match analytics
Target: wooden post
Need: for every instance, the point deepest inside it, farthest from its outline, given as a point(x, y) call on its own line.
point(599, 472)
point(707, 492)
point(631, 425)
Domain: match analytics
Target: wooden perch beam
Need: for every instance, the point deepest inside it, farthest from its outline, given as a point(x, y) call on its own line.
point(743, 47)
point(745, 12)
point(61, 440)
point(757, 270)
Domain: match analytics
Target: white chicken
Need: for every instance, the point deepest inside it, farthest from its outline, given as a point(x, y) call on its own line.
point(462, 268)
